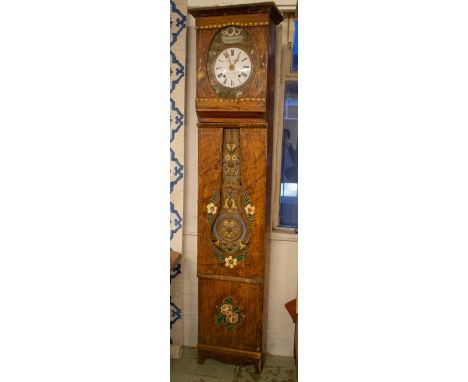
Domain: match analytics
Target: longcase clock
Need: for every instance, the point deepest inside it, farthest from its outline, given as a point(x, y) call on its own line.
point(234, 104)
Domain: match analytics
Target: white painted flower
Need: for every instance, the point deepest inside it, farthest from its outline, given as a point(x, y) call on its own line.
point(211, 209)
point(230, 262)
point(249, 209)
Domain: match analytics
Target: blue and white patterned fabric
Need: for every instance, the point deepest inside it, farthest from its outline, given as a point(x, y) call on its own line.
point(177, 105)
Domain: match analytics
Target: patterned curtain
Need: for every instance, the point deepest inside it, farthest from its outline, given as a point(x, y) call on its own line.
point(177, 57)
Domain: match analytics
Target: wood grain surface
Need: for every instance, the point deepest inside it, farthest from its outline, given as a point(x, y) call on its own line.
point(249, 297)
point(267, 8)
point(253, 152)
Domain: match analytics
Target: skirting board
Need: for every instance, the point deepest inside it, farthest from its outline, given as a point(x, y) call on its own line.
point(176, 351)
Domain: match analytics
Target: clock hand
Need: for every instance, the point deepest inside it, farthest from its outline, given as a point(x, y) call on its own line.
point(237, 59)
point(226, 54)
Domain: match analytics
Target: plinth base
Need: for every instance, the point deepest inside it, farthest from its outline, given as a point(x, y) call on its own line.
point(232, 356)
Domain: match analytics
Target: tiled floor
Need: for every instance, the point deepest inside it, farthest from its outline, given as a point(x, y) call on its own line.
point(187, 369)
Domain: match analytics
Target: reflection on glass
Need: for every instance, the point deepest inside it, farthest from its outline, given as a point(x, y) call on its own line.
point(294, 62)
point(289, 192)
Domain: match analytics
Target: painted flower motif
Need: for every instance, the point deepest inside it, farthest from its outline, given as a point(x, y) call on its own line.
point(211, 209)
point(232, 318)
point(226, 309)
point(249, 209)
point(230, 262)
point(228, 314)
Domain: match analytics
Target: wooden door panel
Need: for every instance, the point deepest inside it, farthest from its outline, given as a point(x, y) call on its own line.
point(253, 166)
point(215, 326)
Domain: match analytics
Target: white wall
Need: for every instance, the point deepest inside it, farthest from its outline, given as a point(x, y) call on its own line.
point(283, 249)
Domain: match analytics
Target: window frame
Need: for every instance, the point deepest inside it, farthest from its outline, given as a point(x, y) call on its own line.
point(283, 72)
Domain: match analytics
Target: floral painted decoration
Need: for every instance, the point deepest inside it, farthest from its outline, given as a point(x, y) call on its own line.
point(229, 314)
point(249, 208)
point(211, 208)
point(230, 261)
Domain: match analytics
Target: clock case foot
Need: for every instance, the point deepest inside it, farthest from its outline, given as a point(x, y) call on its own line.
point(232, 356)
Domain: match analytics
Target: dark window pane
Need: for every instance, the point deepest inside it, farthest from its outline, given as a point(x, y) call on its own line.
point(288, 192)
point(294, 62)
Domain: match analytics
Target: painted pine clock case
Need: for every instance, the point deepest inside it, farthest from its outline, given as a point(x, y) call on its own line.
point(234, 176)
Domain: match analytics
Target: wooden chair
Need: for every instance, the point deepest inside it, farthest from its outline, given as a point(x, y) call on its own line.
point(291, 307)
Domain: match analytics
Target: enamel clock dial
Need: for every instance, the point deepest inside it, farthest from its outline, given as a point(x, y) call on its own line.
point(232, 67)
point(230, 63)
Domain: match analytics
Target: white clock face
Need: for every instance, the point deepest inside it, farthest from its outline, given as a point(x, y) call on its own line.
point(232, 68)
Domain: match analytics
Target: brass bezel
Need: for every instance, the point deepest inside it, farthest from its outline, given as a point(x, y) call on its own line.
point(216, 47)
